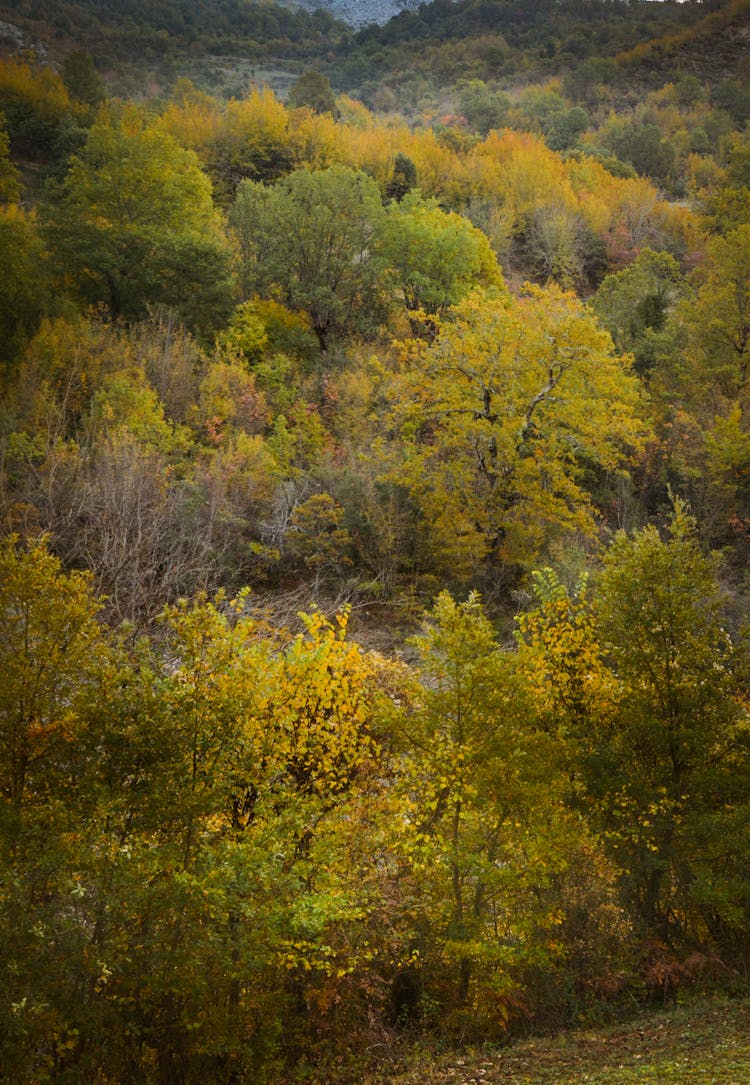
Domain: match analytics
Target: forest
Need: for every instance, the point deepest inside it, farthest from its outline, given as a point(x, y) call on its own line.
point(374, 531)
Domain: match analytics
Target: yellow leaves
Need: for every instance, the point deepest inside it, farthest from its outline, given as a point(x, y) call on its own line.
point(229, 402)
point(520, 168)
point(301, 709)
point(40, 89)
point(193, 118)
point(560, 661)
point(234, 129)
point(507, 404)
point(315, 956)
point(51, 650)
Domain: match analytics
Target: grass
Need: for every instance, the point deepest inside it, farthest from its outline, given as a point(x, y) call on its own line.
point(705, 1043)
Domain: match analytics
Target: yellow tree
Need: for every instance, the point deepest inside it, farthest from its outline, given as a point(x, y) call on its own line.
point(50, 644)
point(500, 419)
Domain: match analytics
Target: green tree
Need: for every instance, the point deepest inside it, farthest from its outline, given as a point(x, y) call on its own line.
point(674, 760)
point(403, 179)
point(644, 148)
point(310, 238)
point(10, 186)
point(436, 257)
point(133, 224)
point(563, 129)
point(26, 281)
point(633, 304)
point(483, 108)
point(312, 89)
point(83, 82)
point(717, 317)
point(54, 658)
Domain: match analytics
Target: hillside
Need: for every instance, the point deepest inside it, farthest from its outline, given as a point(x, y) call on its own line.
point(135, 29)
point(509, 40)
point(359, 12)
point(374, 545)
point(506, 40)
point(715, 48)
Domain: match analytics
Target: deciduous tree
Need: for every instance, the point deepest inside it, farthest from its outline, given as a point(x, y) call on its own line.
point(133, 223)
point(435, 257)
point(499, 419)
point(310, 239)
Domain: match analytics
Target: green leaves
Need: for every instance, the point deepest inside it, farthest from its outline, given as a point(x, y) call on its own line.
point(435, 257)
point(310, 238)
point(133, 220)
point(681, 719)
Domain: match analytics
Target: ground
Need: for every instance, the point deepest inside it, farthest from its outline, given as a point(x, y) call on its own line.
point(704, 1043)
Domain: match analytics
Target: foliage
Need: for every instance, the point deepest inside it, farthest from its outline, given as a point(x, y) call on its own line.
point(474, 773)
point(246, 138)
point(10, 188)
point(37, 108)
point(718, 316)
point(314, 91)
point(681, 731)
point(235, 844)
point(83, 82)
point(50, 642)
point(633, 303)
point(435, 257)
point(134, 223)
point(309, 238)
point(26, 292)
point(498, 420)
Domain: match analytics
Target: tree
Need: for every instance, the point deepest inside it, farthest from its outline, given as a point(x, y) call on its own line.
point(10, 186)
point(499, 419)
point(50, 645)
point(242, 138)
point(644, 148)
point(676, 754)
point(483, 789)
point(310, 238)
point(313, 90)
point(83, 82)
point(37, 109)
point(403, 179)
point(26, 282)
point(633, 304)
point(23, 261)
point(483, 108)
point(436, 257)
point(133, 223)
point(563, 129)
point(717, 318)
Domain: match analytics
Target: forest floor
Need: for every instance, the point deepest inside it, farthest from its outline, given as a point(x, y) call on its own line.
point(704, 1043)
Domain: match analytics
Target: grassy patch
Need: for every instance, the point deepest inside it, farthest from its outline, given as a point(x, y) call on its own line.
point(706, 1043)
